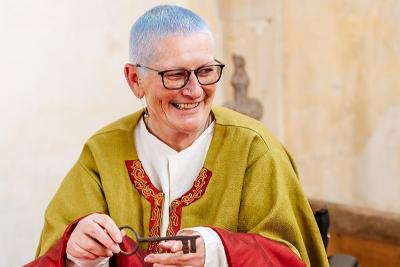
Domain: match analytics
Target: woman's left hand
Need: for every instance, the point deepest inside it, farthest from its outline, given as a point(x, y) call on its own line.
point(176, 257)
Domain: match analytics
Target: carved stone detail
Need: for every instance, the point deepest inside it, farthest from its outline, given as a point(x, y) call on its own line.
point(240, 82)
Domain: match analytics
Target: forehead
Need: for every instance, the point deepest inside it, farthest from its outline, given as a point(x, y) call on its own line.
point(183, 50)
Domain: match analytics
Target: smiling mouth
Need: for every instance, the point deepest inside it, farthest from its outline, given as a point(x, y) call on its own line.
point(186, 106)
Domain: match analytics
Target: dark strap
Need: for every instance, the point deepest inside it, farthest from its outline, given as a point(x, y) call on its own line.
point(322, 218)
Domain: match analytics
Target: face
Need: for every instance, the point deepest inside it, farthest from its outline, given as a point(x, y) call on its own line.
point(182, 111)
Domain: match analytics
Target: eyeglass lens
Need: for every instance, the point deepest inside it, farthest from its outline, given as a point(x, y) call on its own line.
point(175, 79)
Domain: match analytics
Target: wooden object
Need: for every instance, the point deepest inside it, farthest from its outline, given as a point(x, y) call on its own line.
point(372, 236)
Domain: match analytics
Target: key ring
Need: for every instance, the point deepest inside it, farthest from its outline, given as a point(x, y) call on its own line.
point(188, 242)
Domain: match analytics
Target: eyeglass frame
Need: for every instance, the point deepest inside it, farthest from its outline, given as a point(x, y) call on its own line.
point(195, 71)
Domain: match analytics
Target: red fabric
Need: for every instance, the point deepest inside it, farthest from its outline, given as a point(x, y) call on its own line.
point(241, 249)
point(249, 250)
point(133, 260)
point(56, 255)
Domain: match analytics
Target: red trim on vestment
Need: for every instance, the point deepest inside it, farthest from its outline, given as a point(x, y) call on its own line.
point(248, 250)
point(195, 192)
point(56, 256)
point(144, 186)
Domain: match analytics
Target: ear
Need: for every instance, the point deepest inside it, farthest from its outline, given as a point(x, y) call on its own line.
point(132, 77)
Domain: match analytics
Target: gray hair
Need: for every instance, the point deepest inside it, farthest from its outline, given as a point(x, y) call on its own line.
point(158, 22)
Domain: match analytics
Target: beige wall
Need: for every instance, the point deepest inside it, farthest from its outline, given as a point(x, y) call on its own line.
point(342, 99)
point(326, 72)
point(253, 29)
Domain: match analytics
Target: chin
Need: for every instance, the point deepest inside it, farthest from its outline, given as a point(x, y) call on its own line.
point(191, 127)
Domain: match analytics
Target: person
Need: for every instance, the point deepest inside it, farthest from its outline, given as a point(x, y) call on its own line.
point(180, 166)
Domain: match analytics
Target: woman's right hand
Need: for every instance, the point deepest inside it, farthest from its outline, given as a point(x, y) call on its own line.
point(95, 236)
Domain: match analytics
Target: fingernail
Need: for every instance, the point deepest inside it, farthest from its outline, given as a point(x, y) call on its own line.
point(116, 249)
point(119, 238)
point(109, 253)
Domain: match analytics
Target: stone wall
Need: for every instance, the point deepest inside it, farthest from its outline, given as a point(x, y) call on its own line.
point(327, 74)
point(342, 99)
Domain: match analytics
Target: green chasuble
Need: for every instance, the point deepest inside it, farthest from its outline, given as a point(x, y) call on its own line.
point(248, 184)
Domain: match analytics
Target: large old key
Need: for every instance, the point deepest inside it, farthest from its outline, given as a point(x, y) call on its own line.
point(188, 242)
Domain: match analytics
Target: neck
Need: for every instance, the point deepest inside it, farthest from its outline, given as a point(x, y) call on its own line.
point(176, 140)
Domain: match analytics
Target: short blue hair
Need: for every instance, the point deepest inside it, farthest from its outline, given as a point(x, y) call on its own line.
point(158, 22)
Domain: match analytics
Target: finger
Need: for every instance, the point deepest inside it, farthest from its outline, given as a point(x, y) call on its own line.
point(164, 265)
point(80, 253)
point(112, 229)
point(200, 242)
point(103, 237)
point(123, 233)
point(171, 246)
point(187, 232)
point(169, 258)
point(92, 246)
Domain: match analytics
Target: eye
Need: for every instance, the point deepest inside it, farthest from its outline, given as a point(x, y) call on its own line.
point(175, 75)
point(205, 71)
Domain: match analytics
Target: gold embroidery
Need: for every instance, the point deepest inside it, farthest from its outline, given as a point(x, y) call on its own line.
point(198, 188)
point(195, 193)
point(174, 218)
point(155, 198)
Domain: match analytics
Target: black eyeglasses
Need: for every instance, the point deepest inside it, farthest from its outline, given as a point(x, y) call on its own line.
point(178, 78)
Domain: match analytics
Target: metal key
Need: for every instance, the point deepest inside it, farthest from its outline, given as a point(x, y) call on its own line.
point(188, 242)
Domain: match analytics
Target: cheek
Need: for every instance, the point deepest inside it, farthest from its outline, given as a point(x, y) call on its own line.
point(166, 97)
point(159, 96)
point(209, 91)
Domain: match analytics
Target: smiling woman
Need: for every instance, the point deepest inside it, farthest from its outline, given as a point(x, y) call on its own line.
point(180, 167)
point(179, 114)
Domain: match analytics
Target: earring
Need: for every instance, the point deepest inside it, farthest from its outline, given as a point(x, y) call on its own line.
point(146, 111)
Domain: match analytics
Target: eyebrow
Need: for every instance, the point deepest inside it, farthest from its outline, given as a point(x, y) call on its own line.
point(183, 68)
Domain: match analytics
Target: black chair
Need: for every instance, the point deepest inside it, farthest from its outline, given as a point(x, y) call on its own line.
point(337, 260)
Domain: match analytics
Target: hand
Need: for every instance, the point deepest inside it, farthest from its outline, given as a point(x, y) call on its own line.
point(95, 236)
point(176, 256)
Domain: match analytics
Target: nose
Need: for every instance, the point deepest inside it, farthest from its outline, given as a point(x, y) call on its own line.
point(193, 88)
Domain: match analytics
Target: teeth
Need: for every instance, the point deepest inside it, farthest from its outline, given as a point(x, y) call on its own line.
point(186, 106)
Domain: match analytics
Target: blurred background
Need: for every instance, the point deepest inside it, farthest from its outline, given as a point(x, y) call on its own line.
point(327, 74)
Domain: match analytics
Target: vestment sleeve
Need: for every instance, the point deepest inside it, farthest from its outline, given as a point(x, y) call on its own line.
point(99, 262)
point(276, 224)
point(55, 256)
point(214, 249)
point(79, 194)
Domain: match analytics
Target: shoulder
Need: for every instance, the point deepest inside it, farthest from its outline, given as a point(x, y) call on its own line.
point(112, 143)
point(121, 125)
point(125, 123)
point(245, 127)
point(240, 139)
point(116, 133)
